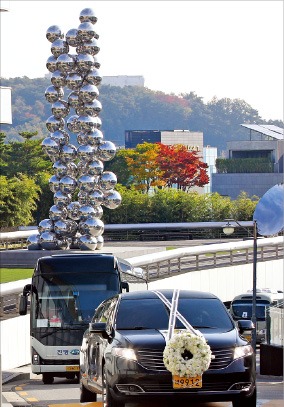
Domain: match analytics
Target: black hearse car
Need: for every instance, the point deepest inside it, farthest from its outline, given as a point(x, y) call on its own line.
point(122, 351)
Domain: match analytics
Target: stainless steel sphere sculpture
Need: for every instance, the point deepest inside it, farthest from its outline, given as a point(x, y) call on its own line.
point(75, 223)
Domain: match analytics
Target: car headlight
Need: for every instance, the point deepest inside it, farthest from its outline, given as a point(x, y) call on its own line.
point(126, 353)
point(242, 351)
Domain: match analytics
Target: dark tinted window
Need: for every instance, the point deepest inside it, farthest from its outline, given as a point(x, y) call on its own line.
point(152, 313)
point(243, 309)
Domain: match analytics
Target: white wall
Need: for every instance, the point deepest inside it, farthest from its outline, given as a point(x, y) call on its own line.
point(15, 342)
point(226, 283)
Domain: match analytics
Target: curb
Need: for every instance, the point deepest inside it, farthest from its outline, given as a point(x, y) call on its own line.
point(14, 377)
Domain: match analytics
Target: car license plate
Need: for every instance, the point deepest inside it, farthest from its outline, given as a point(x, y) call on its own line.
point(72, 368)
point(187, 382)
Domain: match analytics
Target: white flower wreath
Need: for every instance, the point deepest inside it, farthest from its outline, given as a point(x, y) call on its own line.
point(182, 366)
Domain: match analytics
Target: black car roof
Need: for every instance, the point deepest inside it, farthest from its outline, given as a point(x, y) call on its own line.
point(168, 293)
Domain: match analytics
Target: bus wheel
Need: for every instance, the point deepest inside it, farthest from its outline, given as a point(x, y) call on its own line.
point(47, 378)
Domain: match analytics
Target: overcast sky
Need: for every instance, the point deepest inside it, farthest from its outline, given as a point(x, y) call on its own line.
point(228, 49)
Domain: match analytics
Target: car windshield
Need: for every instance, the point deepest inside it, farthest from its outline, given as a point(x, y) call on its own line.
point(201, 313)
point(243, 309)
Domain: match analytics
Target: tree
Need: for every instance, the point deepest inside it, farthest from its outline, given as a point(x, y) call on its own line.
point(18, 197)
point(181, 167)
point(119, 166)
point(142, 162)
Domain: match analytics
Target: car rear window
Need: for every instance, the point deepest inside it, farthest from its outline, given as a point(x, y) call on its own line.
point(202, 314)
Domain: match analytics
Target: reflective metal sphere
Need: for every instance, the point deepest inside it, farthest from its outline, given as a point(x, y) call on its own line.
point(73, 227)
point(112, 199)
point(87, 123)
point(73, 124)
point(68, 153)
point(60, 169)
point(99, 122)
point(96, 197)
point(72, 37)
point(61, 137)
point(91, 226)
point(86, 211)
point(54, 183)
point(87, 14)
point(63, 243)
point(72, 170)
point(92, 109)
point(95, 137)
point(65, 63)
point(50, 146)
point(90, 47)
point(73, 210)
point(100, 242)
point(106, 151)
point(86, 152)
point(59, 47)
point(52, 94)
point(83, 198)
point(54, 33)
point(82, 139)
point(58, 79)
point(61, 200)
point(62, 228)
point(85, 62)
point(56, 213)
point(48, 241)
point(67, 184)
point(73, 100)
point(46, 225)
point(33, 242)
point(60, 109)
point(53, 124)
point(74, 245)
point(94, 167)
point(74, 80)
point(96, 62)
point(93, 77)
point(51, 63)
point(87, 242)
point(86, 31)
point(107, 181)
point(88, 93)
point(99, 211)
point(86, 183)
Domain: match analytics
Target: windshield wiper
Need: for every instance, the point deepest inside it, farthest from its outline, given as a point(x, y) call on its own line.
point(136, 328)
point(204, 326)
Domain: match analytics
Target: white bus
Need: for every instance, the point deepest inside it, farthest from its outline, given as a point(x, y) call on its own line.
point(241, 308)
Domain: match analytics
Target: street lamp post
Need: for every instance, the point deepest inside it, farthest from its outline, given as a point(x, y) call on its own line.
point(228, 229)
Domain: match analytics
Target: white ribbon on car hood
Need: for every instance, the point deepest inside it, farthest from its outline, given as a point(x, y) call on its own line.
point(175, 314)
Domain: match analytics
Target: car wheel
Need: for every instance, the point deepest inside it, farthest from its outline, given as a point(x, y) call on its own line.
point(108, 399)
point(86, 395)
point(47, 378)
point(246, 401)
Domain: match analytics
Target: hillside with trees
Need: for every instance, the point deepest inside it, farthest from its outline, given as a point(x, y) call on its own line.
point(135, 108)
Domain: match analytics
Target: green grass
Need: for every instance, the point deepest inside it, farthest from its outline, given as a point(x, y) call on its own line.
point(7, 275)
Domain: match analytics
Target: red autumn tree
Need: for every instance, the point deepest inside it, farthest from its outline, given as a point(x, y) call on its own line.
point(181, 167)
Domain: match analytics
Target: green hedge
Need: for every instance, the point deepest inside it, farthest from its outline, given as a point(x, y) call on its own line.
point(243, 165)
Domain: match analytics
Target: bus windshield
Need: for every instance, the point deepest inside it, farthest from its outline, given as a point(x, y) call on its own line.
point(65, 299)
point(243, 309)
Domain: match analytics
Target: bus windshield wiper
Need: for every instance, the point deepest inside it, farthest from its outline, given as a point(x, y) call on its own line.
point(136, 328)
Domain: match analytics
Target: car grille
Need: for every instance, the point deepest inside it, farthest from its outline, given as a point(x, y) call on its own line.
point(153, 358)
point(168, 387)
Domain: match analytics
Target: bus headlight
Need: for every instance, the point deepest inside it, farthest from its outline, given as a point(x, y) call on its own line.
point(126, 353)
point(35, 357)
point(242, 351)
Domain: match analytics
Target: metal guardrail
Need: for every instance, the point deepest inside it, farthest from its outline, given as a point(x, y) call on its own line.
point(157, 266)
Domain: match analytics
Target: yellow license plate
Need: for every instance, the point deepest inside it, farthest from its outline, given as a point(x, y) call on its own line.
point(187, 382)
point(72, 368)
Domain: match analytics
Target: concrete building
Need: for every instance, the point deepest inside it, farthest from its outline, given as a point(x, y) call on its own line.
point(193, 140)
point(263, 141)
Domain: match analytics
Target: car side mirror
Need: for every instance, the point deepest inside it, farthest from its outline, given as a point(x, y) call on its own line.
point(98, 328)
point(23, 304)
point(245, 325)
point(125, 286)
